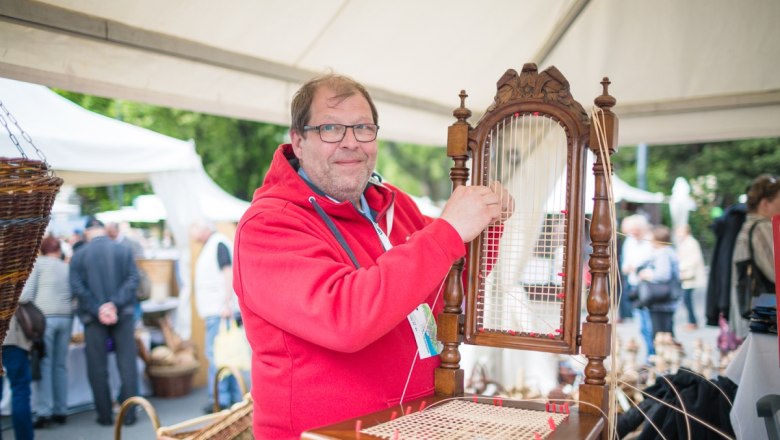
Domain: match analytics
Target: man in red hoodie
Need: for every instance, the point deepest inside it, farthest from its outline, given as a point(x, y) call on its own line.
point(330, 262)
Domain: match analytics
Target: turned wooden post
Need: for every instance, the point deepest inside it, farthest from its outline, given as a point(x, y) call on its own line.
point(448, 379)
point(596, 331)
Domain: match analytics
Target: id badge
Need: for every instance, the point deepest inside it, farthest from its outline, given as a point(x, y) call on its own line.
point(424, 329)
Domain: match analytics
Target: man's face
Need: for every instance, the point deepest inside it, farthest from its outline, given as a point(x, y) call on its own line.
point(340, 169)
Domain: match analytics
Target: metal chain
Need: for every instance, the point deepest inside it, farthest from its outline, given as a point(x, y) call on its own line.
point(25, 135)
point(10, 133)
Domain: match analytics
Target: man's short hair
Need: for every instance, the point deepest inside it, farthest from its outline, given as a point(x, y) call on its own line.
point(344, 86)
point(93, 222)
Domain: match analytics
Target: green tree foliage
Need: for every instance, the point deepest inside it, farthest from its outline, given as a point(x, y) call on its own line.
point(235, 153)
point(417, 169)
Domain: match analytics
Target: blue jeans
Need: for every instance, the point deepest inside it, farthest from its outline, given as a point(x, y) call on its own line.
point(17, 370)
point(645, 328)
point(688, 301)
point(228, 391)
point(52, 391)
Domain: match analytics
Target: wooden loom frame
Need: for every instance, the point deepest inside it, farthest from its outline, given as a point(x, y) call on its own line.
point(546, 93)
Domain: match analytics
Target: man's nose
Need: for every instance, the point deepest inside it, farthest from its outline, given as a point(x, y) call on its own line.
point(349, 140)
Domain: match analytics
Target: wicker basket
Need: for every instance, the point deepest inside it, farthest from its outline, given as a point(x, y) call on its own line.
point(172, 381)
point(27, 191)
point(234, 423)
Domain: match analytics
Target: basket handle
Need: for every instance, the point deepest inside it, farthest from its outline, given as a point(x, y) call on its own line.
point(129, 403)
point(223, 372)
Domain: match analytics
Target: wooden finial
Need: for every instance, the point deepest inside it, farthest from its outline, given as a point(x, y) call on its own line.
point(605, 101)
point(462, 113)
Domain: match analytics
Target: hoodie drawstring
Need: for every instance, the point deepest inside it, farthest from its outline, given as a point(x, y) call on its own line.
point(335, 231)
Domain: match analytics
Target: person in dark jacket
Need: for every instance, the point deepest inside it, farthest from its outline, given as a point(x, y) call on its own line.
point(104, 278)
point(726, 228)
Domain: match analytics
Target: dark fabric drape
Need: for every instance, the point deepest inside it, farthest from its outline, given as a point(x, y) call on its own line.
point(701, 399)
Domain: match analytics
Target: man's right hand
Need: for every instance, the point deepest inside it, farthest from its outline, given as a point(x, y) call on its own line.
point(107, 314)
point(471, 209)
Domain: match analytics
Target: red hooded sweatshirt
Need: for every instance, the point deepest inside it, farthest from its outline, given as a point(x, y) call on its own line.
point(330, 340)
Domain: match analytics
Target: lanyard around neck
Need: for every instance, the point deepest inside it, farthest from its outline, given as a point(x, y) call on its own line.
point(366, 210)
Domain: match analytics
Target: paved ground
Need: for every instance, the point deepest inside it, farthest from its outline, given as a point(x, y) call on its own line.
point(82, 426)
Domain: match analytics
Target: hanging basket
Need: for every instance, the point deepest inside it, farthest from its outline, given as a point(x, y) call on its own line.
point(27, 191)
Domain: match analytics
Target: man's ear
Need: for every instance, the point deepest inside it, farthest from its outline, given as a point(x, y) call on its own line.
point(295, 140)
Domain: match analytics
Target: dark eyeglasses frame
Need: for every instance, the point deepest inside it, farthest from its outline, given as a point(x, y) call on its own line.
point(344, 133)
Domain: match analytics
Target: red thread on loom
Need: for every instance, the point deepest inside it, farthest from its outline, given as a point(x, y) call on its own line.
point(408, 410)
point(564, 212)
point(358, 425)
point(552, 423)
point(393, 415)
point(537, 436)
point(422, 406)
point(474, 398)
point(395, 435)
point(561, 295)
point(561, 274)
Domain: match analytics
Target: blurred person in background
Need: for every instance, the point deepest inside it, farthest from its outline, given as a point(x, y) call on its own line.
point(763, 202)
point(49, 289)
point(662, 268)
point(104, 279)
point(216, 303)
point(636, 251)
point(691, 269)
point(16, 363)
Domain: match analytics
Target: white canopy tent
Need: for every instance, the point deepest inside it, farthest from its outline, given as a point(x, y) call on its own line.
point(681, 71)
point(688, 71)
point(87, 149)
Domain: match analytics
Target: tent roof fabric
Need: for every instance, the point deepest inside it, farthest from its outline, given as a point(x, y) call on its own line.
point(85, 147)
point(88, 149)
point(698, 70)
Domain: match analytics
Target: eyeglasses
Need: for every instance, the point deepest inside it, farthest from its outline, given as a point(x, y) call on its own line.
point(335, 132)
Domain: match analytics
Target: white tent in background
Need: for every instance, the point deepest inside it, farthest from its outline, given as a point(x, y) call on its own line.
point(87, 149)
point(621, 191)
point(148, 208)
